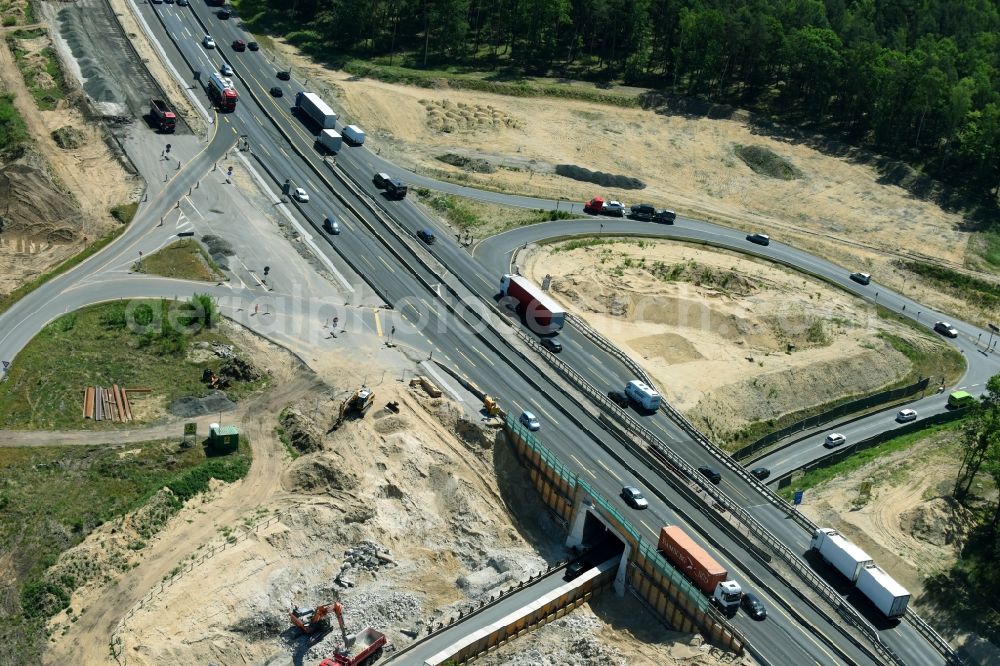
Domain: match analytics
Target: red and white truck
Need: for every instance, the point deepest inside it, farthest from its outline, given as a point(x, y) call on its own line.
point(163, 117)
point(542, 314)
point(222, 93)
point(710, 576)
point(364, 648)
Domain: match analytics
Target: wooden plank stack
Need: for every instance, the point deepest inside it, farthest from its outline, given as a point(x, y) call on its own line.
point(109, 404)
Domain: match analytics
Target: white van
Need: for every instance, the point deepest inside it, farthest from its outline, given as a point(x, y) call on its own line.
point(642, 395)
point(353, 135)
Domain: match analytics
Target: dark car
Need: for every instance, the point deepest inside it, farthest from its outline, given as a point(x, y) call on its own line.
point(946, 329)
point(753, 606)
point(396, 189)
point(284, 75)
point(381, 180)
point(759, 239)
point(427, 236)
point(665, 216)
point(711, 474)
point(761, 472)
point(619, 398)
point(225, 13)
point(253, 46)
point(182, 3)
point(642, 212)
point(331, 225)
point(574, 569)
point(551, 344)
point(239, 45)
point(861, 278)
point(277, 92)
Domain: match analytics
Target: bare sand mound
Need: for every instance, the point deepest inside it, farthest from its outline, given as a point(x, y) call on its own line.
point(730, 341)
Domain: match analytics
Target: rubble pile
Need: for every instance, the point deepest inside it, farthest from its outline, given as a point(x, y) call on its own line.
point(366, 557)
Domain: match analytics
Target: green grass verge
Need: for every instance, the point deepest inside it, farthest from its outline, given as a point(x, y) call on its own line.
point(488, 83)
point(184, 259)
point(991, 249)
point(942, 361)
point(13, 131)
point(53, 497)
point(815, 477)
point(9, 299)
point(480, 218)
point(45, 82)
point(766, 162)
point(126, 343)
point(984, 294)
point(124, 213)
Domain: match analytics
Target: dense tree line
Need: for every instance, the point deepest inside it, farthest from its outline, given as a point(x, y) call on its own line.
point(916, 78)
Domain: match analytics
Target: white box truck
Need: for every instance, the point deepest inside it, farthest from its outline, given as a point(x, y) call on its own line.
point(354, 134)
point(840, 553)
point(311, 105)
point(883, 591)
point(643, 395)
point(331, 140)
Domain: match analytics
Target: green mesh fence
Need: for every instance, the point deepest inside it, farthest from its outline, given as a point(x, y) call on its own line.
point(645, 549)
point(676, 577)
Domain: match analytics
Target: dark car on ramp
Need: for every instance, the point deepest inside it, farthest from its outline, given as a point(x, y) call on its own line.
point(759, 239)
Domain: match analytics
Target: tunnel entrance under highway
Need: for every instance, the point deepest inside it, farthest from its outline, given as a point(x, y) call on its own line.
point(598, 542)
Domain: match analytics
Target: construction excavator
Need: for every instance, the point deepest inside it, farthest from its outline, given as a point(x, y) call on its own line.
point(317, 620)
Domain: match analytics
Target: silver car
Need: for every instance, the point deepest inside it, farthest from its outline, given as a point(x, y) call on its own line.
point(634, 498)
point(530, 421)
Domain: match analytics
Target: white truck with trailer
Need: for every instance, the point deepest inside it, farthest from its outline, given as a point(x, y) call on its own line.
point(840, 553)
point(643, 395)
point(883, 591)
point(331, 140)
point(354, 135)
point(313, 106)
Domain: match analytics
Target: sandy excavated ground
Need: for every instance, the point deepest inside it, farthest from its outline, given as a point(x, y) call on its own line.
point(402, 517)
point(837, 209)
point(26, 253)
point(715, 336)
point(910, 525)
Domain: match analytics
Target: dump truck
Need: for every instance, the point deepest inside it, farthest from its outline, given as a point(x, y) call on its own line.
point(365, 648)
point(312, 106)
point(700, 567)
point(331, 140)
point(222, 93)
point(840, 553)
point(164, 119)
point(888, 596)
point(540, 312)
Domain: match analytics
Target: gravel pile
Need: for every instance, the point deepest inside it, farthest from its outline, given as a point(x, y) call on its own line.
point(569, 641)
point(386, 610)
point(213, 403)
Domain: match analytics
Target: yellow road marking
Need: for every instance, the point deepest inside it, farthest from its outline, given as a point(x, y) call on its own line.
point(378, 322)
point(386, 264)
point(368, 262)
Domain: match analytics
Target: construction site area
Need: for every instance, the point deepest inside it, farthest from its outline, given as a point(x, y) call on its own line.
point(383, 507)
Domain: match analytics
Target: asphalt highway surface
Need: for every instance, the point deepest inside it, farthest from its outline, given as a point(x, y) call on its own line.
point(438, 291)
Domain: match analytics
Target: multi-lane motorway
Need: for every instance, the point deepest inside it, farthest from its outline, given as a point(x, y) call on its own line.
point(439, 290)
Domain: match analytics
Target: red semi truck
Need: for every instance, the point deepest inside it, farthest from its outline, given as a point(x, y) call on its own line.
point(710, 577)
point(222, 92)
point(165, 119)
point(541, 313)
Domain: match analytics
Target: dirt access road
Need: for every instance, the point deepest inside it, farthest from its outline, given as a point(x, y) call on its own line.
point(86, 641)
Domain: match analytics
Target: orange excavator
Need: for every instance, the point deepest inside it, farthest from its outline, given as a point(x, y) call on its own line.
point(317, 620)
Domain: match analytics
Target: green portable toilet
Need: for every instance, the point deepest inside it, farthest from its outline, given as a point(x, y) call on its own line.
point(223, 439)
